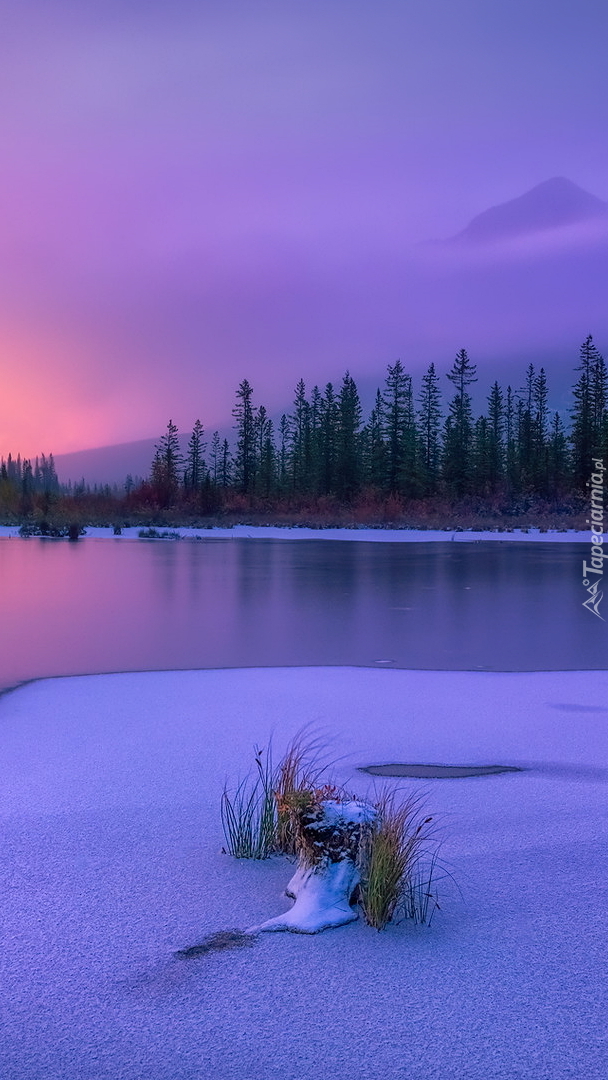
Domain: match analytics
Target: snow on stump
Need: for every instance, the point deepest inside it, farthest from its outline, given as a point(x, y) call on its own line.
point(329, 835)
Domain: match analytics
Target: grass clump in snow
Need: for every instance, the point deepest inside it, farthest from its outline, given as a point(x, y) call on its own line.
point(249, 814)
point(393, 879)
point(261, 816)
point(398, 860)
point(297, 787)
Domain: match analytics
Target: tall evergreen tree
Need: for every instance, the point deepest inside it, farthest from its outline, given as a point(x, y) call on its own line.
point(481, 478)
point(299, 452)
point(429, 428)
point(458, 438)
point(315, 435)
point(540, 450)
point(226, 465)
point(244, 415)
point(557, 470)
point(195, 472)
point(283, 453)
point(585, 437)
point(511, 473)
point(215, 457)
point(167, 465)
point(373, 447)
point(327, 434)
point(265, 452)
point(496, 429)
point(348, 460)
point(399, 428)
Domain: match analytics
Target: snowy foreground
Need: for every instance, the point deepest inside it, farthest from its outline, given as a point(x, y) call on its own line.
point(399, 536)
point(111, 862)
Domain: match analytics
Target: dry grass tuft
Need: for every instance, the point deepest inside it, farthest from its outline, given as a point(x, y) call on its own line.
point(392, 860)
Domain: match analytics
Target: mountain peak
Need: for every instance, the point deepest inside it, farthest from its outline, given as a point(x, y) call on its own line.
point(550, 205)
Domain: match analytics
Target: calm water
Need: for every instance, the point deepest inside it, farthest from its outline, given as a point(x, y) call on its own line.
point(118, 605)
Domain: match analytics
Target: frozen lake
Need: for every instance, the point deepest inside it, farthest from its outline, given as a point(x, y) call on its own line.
point(122, 605)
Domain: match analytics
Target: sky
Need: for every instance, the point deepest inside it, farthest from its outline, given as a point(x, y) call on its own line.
point(193, 193)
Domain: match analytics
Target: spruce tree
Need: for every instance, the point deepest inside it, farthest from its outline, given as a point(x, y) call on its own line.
point(327, 436)
point(316, 453)
point(283, 453)
point(195, 472)
point(215, 457)
point(299, 453)
point(481, 473)
point(348, 460)
point(540, 451)
point(496, 428)
point(226, 465)
point(244, 415)
point(458, 439)
point(373, 447)
point(429, 425)
point(167, 465)
point(511, 475)
point(557, 458)
point(585, 436)
point(399, 428)
point(265, 452)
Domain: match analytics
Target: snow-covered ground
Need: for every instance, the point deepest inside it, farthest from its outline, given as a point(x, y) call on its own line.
point(111, 862)
point(273, 532)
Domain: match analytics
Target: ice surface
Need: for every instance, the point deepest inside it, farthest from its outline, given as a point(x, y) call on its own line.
point(111, 863)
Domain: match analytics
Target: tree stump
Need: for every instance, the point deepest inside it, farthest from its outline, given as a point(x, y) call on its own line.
point(329, 836)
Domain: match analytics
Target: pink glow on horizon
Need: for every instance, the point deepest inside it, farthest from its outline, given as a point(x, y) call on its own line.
point(194, 194)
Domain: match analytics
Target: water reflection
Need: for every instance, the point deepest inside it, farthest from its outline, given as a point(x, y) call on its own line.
point(129, 605)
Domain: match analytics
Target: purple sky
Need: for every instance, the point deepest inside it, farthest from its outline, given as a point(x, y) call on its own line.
point(197, 192)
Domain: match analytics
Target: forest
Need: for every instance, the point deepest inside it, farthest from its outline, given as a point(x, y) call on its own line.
point(417, 460)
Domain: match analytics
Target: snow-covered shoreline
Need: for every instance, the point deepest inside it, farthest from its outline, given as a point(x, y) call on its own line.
point(112, 861)
point(398, 536)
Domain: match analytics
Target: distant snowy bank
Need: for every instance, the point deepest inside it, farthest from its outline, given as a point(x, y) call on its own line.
point(395, 536)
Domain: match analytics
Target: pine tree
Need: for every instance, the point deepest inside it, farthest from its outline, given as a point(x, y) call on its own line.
point(244, 415)
point(458, 439)
point(194, 475)
point(299, 451)
point(585, 435)
point(226, 465)
point(429, 422)
point(481, 473)
point(496, 449)
point(525, 431)
point(399, 429)
point(373, 448)
point(327, 433)
point(557, 454)
point(540, 451)
point(316, 456)
point(216, 457)
point(167, 465)
point(284, 441)
point(265, 452)
point(348, 462)
point(511, 473)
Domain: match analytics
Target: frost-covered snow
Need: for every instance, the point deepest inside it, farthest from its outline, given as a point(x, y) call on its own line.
point(272, 532)
point(111, 862)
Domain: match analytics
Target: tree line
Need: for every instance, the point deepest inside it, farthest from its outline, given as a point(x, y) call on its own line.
point(412, 445)
point(416, 446)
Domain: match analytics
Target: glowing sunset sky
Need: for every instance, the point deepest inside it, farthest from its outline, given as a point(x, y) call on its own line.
point(198, 191)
